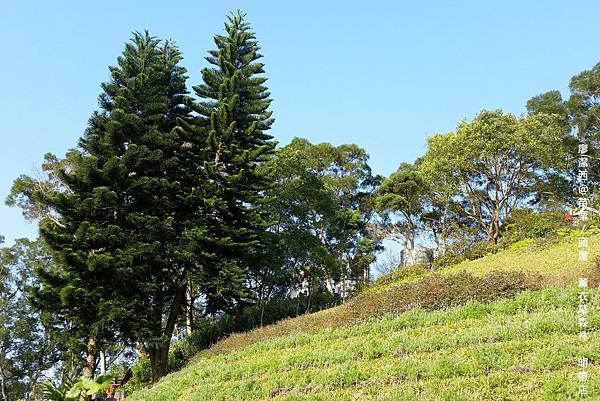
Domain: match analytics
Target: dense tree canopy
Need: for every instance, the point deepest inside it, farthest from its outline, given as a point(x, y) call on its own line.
point(230, 136)
point(498, 159)
point(322, 206)
point(30, 342)
point(400, 200)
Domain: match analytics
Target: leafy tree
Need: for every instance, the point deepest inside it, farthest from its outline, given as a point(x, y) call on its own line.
point(499, 160)
point(549, 103)
point(579, 114)
point(28, 348)
point(345, 171)
point(442, 215)
point(303, 209)
point(554, 192)
point(400, 201)
point(321, 208)
point(584, 106)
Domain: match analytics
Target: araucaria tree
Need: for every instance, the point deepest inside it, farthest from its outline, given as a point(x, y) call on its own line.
point(157, 200)
point(499, 160)
point(229, 132)
point(110, 218)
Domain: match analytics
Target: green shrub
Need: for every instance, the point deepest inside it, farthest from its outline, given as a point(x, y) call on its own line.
point(444, 291)
point(403, 273)
point(481, 249)
point(447, 260)
point(527, 223)
point(520, 244)
point(142, 374)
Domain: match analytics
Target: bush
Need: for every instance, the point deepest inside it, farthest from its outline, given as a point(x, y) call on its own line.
point(447, 260)
point(527, 223)
point(444, 291)
point(142, 374)
point(481, 249)
point(475, 250)
point(402, 273)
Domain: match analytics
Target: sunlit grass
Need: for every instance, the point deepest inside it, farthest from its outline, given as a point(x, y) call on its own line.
point(557, 261)
point(524, 348)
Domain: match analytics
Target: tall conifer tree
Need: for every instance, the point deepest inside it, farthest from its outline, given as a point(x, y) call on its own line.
point(113, 229)
point(232, 119)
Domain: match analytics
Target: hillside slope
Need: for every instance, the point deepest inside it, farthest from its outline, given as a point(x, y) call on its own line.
point(523, 347)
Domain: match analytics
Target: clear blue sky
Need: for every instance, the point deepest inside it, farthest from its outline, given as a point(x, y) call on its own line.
point(382, 74)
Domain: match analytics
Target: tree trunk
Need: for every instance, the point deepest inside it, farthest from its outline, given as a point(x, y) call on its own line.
point(90, 360)
point(2, 384)
point(493, 232)
point(262, 311)
point(411, 250)
point(189, 316)
point(102, 363)
point(158, 362)
point(159, 353)
point(443, 232)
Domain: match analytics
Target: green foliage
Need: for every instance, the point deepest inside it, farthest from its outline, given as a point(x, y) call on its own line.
point(228, 143)
point(50, 392)
point(498, 160)
point(321, 206)
point(548, 103)
point(579, 113)
point(528, 224)
point(584, 112)
point(31, 343)
point(141, 375)
point(400, 201)
point(208, 332)
point(403, 273)
point(80, 390)
point(157, 204)
point(463, 353)
point(444, 291)
point(449, 259)
point(106, 210)
point(85, 388)
point(521, 243)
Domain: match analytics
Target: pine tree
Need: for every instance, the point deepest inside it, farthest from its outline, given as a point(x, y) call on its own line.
point(114, 234)
point(232, 119)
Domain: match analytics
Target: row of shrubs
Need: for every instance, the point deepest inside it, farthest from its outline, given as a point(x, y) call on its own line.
point(425, 291)
point(433, 292)
point(437, 291)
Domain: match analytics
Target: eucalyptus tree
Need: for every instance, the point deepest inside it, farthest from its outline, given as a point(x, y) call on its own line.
point(499, 161)
point(400, 200)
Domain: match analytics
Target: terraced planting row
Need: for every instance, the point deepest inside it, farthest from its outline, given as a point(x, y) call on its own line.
point(512, 349)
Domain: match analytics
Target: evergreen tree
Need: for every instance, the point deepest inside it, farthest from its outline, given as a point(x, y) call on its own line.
point(112, 223)
point(230, 129)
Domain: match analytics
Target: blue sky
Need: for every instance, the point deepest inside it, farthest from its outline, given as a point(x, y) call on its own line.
point(382, 74)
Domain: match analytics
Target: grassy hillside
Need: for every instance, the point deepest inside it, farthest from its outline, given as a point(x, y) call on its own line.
point(380, 346)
